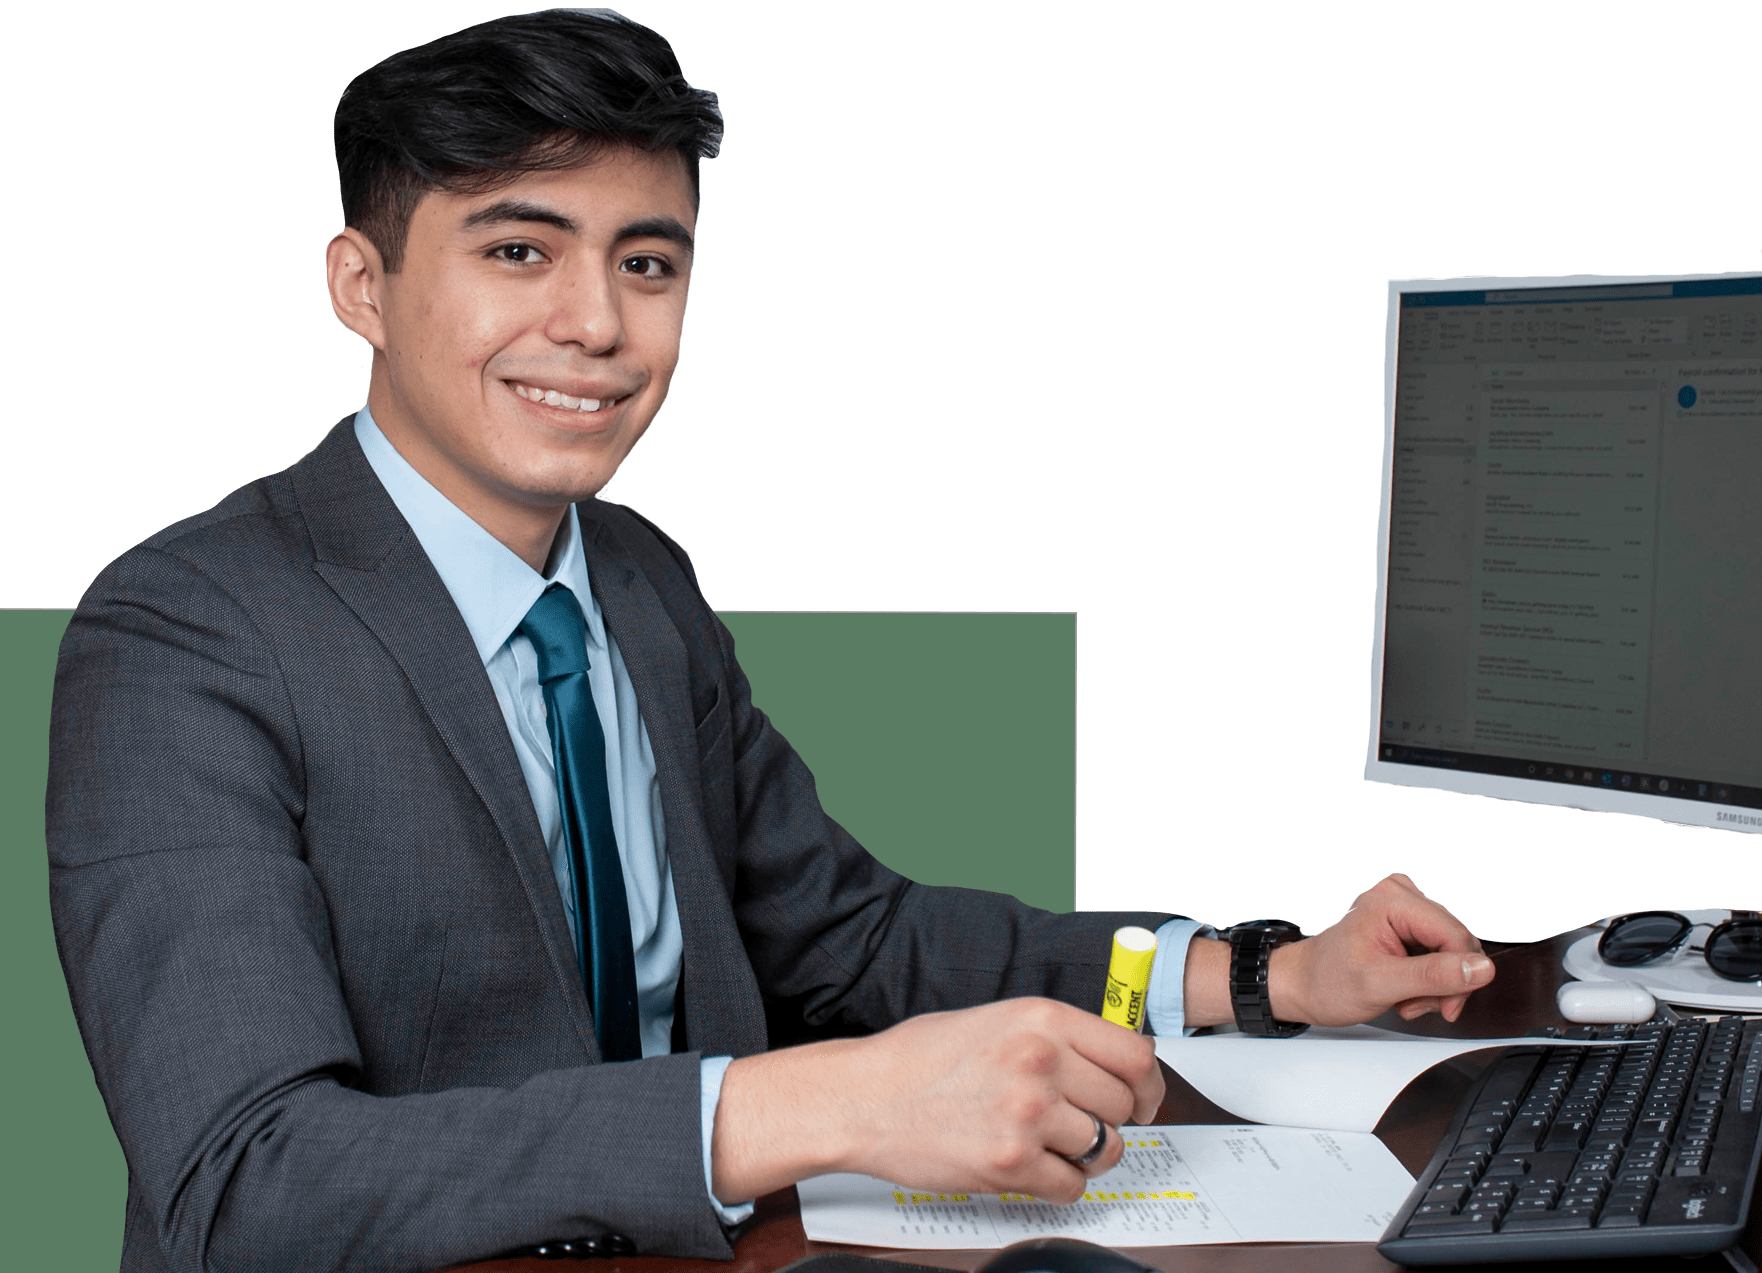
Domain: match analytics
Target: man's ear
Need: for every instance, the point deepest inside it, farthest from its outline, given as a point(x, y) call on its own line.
point(356, 276)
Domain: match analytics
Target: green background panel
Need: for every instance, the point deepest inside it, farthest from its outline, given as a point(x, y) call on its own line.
point(944, 742)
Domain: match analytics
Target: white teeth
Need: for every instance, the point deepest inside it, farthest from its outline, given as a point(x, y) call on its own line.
point(554, 398)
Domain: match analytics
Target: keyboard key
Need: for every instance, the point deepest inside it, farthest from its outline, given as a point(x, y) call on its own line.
point(1525, 1136)
point(1509, 1076)
point(1451, 1191)
point(1567, 1134)
point(1551, 1169)
point(1544, 1223)
point(1454, 1226)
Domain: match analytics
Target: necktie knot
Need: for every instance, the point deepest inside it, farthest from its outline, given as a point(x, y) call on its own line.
point(558, 633)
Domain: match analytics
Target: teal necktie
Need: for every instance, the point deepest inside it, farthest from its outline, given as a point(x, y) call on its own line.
point(578, 750)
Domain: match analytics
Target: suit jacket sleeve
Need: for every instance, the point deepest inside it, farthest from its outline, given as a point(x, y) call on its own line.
point(198, 947)
point(839, 943)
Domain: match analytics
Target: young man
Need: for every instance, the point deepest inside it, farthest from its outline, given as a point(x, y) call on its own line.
point(423, 874)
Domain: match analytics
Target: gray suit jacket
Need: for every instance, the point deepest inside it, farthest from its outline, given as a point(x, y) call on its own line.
point(310, 928)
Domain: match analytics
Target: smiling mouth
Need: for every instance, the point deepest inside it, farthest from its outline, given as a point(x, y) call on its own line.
point(563, 401)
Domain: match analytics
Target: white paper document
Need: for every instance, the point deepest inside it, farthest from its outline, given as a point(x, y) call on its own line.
point(1174, 1185)
point(1334, 1078)
point(1314, 1174)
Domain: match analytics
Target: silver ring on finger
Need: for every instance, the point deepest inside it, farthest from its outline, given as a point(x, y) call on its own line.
point(1094, 1151)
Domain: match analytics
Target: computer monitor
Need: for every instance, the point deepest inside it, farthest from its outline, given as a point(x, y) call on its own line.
point(1570, 582)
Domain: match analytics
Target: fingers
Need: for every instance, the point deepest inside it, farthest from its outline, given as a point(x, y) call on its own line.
point(988, 1099)
point(1427, 982)
point(1062, 1166)
point(1089, 1087)
point(1127, 1058)
point(1108, 1072)
point(1419, 921)
point(1449, 1009)
point(1076, 1136)
point(1049, 1170)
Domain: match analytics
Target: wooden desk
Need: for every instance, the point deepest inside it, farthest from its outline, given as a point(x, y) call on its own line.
point(1520, 999)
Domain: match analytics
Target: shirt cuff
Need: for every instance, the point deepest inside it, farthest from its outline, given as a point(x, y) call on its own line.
point(1166, 1009)
point(711, 1071)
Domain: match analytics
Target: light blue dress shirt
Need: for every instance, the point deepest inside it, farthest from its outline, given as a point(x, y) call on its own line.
point(494, 589)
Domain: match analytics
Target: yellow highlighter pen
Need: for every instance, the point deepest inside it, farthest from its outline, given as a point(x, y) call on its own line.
point(1128, 977)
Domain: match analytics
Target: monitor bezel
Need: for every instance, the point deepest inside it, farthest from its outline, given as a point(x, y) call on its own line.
point(1699, 813)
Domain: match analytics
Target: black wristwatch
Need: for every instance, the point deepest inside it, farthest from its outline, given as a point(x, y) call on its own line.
point(1251, 945)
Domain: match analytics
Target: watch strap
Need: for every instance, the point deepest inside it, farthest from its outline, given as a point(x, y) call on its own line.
point(1251, 948)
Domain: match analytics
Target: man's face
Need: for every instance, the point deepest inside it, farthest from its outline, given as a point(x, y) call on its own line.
point(531, 334)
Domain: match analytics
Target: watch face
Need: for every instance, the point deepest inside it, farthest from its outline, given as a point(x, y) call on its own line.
point(1264, 935)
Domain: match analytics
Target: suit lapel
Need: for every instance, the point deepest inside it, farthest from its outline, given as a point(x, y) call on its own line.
point(369, 556)
point(717, 977)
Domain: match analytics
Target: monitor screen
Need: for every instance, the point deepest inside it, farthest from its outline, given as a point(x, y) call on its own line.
point(1570, 580)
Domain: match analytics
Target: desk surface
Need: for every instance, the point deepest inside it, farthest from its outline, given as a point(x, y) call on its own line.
point(1520, 999)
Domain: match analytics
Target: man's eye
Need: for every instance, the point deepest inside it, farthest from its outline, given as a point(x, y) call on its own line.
point(650, 267)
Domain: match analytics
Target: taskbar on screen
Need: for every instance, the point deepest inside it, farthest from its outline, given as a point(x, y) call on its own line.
point(1574, 774)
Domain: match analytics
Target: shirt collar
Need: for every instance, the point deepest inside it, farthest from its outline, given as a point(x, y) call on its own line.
point(489, 583)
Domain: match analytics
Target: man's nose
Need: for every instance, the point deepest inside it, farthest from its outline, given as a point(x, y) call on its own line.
point(586, 311)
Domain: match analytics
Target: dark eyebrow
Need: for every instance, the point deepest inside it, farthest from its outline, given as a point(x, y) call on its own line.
point(521, 210)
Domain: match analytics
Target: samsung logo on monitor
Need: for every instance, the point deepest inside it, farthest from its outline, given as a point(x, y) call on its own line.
point(1742, 819)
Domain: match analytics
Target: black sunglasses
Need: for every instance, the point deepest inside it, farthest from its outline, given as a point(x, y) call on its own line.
point(1733, 949)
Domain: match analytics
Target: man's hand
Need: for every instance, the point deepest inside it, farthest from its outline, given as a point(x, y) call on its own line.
point(987, 1100)
point(1359, 968)
point(997, 1099)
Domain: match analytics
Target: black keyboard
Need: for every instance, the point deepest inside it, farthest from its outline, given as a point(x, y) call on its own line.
point(1596, 1152)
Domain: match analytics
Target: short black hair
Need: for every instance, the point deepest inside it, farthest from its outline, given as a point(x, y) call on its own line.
point(476, 109)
